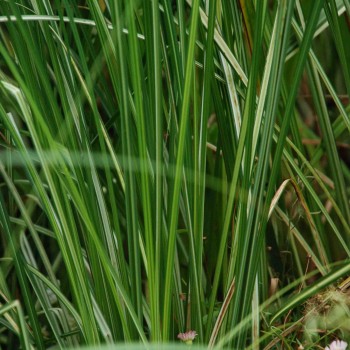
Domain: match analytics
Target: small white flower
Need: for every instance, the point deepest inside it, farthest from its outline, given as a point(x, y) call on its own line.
point(187, 337)
point(337, 345)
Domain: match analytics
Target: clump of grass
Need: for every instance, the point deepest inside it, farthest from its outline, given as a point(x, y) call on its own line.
point(164, 162)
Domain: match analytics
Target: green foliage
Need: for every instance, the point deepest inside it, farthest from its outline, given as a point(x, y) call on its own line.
point(174, 165)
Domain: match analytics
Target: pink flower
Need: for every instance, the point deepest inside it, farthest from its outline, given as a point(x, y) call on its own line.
point(337, 345)
point(187, 337)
